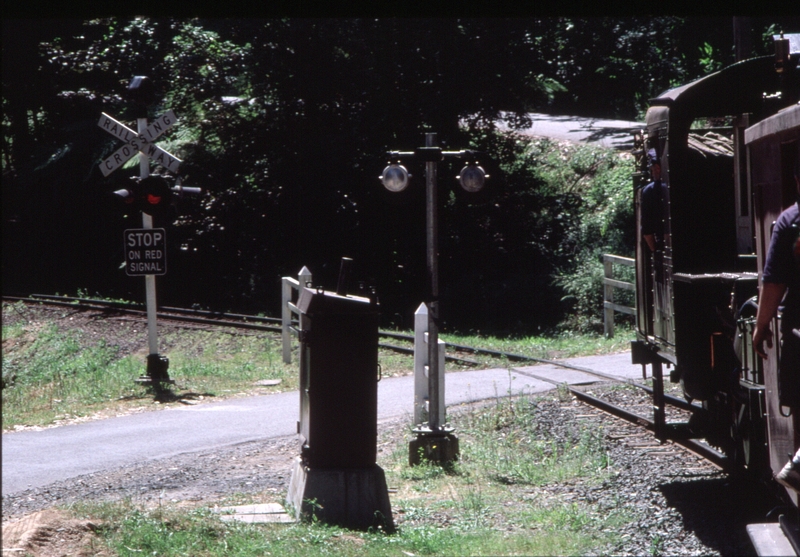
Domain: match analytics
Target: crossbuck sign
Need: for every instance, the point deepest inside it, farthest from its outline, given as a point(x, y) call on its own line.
point(139, 143)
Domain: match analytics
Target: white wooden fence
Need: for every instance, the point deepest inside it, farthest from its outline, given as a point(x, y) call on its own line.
point(609, 284)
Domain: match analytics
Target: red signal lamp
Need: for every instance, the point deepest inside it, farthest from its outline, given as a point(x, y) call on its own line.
point(156, 195)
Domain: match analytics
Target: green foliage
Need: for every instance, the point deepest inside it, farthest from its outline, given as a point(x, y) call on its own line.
point(509, 445)
point(56, 356)
point(50, 372)
point(560, 208)
point(55, 376)
point(709, 59)
point(603, 223)
point(285, 122)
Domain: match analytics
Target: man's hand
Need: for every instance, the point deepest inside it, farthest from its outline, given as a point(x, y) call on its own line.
point(760, 335)
point(768, 301)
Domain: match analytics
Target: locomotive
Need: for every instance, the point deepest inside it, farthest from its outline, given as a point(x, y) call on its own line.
point(728, 145)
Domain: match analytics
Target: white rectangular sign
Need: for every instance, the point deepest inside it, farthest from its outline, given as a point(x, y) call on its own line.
point(145, 251)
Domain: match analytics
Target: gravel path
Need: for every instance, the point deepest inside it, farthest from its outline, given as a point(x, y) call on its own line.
point(682, 504)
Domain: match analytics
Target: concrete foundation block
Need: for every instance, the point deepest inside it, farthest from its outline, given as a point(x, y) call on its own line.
point(356, 498)
point(437, 448)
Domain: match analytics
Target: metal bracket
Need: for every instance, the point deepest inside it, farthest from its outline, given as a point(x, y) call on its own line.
point(303, 335)
point(642, 353)
point(428, 154)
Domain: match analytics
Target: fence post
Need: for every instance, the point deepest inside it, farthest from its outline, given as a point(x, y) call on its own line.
point(608, 298)
point(286, 320)
point(304, 277)
point(287, 284)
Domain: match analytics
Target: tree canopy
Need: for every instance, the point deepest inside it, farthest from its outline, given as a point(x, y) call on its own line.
point(285, 123)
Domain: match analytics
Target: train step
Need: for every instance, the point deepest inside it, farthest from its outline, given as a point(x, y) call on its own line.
point(770, 539)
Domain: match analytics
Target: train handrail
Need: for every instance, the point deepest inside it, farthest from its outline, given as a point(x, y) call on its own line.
point(609, 284)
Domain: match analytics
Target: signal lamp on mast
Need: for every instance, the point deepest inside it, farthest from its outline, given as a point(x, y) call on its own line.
point(395, 177)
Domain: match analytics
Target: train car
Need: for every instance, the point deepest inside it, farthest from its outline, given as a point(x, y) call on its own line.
point(724, 143)
point(773, 159)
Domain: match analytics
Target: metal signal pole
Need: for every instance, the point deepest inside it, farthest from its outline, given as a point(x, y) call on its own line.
point(435, 441)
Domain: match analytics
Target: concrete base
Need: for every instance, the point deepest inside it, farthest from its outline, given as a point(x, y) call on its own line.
point(263, 513)
point(350, 497)
point(440, 448)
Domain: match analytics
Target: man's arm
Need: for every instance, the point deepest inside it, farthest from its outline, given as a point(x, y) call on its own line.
point(768, 301)
point(650, 239)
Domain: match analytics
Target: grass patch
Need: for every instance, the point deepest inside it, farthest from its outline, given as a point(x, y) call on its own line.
point(562, 345)
point(491, 502)
point(51, 374)
point(55, 367)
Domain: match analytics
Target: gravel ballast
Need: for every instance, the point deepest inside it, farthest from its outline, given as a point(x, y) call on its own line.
point(682, 504)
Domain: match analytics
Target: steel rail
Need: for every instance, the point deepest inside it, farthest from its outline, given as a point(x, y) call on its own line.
point(175, 314)
point(169, 315)
point(171, 310)
point(701, 449)
point(244, 322)
point(218, 319)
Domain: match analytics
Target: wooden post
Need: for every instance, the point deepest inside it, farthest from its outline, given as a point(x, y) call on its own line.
point(287, 297)
point(608, 298)
point(286, 319)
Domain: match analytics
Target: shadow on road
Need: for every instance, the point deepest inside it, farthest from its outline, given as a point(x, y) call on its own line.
point(165, 395)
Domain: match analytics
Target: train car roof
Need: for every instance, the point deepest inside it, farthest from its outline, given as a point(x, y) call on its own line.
point(788, 118)
point(736, 89)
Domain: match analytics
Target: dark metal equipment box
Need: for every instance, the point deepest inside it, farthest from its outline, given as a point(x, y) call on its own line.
point(338, 379)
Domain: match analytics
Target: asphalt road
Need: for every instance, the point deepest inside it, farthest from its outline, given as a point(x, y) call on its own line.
point(34, 459)
point(614, 134)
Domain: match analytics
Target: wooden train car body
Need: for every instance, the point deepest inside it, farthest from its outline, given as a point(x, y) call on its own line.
point(721, 191)
point(773, 154)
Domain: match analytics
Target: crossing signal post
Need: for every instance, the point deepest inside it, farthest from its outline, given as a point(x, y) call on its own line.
point(435, 440)
point(150, 195)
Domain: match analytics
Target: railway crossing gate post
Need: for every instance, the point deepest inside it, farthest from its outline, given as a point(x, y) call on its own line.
point(435, 441)
point(140, 142)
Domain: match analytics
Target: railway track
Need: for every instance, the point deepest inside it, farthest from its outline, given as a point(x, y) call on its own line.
point(270, 324)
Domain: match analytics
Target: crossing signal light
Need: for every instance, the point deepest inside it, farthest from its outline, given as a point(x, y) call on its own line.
point(128, 197)
point(155, 195)
point(151, 195)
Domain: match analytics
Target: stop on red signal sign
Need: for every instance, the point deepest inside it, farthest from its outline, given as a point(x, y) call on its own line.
point(145, 251)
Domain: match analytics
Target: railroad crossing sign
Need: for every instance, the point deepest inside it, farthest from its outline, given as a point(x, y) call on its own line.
point(139, 143)
point(145, 251)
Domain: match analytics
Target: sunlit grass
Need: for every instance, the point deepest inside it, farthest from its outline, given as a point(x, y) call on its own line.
point(475, 507)
point(549, 347)
point(52, 374)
